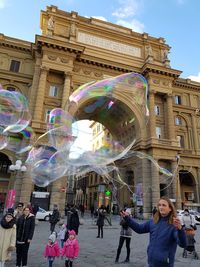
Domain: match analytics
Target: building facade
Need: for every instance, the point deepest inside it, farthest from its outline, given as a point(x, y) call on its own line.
point(73, 50)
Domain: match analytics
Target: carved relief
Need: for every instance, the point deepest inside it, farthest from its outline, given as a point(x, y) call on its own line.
point(50, 26)
point(51, 23)
point(148, 51)
point(52, 58)
point(76, 69)
point(87, 71)
point(148, 54)
point(72, 31)
point(64, 60)
point(98, 74)
point(156, 81)
point(164, 55)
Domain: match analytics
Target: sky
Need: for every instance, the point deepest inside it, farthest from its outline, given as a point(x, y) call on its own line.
point(178, 21)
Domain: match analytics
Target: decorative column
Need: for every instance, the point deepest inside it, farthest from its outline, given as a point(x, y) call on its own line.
point(58, 195)
point(174, 181)
point(34, 87)
point(198, 185)
point(26, 188)
point(66, 89)
point(155, 184)
point(152, 121)
point(194, 131)
point(40, 95)
point(170, 117)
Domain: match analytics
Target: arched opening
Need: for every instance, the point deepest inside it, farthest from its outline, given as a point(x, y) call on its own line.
point(187, 188)
point(4, 178)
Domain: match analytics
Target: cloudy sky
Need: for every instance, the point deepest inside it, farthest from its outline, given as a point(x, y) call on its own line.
point(178, 21)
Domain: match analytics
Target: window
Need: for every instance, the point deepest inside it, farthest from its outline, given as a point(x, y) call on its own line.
point(180, 139)
point(158, 132)
point(11, 89)
point(177, 99)
point(53, 91)
point(189, 196)
point(47, 115)
point(178, 121)
point(14, 66)
point(157, 110)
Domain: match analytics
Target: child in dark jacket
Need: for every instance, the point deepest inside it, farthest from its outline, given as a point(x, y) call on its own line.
point(71, 249)
point(52, 249)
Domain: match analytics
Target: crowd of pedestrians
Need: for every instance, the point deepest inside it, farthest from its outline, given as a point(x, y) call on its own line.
point(165, 228)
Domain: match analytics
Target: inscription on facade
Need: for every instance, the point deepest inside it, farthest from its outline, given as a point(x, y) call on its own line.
point(108, 44)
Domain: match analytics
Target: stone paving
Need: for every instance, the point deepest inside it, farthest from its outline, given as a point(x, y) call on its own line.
point(100, 252)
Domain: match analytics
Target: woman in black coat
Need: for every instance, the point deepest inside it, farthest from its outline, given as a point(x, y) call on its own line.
point(73, 223)
point(100, 220)
point(25, 231)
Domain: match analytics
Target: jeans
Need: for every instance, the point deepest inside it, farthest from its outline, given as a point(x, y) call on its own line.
point(50, 261)
point(121, 242)
point(68, 263)
point(100, 229)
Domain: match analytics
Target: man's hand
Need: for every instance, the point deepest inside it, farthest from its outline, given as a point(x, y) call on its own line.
point(29, 240)
point(177, 223)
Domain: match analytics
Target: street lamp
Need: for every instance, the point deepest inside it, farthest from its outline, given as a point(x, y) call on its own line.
point(17, 169)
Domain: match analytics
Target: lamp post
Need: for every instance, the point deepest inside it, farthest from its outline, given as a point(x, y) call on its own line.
point(18, 170)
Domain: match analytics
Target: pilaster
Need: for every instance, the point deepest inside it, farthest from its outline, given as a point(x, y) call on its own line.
point(40, 95)
point(152, 121)
point(66, 89)
point(170, 118)
point(35, 83)
point(26, 188)
point(194, 131)
point(155, 184)
point(57, 196)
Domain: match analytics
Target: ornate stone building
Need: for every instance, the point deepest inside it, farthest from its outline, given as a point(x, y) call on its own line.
point(73, 50)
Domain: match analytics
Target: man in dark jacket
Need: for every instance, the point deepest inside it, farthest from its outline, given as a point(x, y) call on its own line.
point(73, 222)
point(25, 231)
point(54, 218)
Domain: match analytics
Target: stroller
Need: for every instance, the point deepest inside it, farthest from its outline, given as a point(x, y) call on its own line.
point(190, 249)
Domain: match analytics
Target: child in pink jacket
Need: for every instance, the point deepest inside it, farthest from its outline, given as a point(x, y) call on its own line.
point(52, 249)
point(71, 249)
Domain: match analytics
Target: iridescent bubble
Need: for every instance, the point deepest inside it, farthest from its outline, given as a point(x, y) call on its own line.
point(14, 111)
point(10, 108)
point(62, 130)
point(3, 138)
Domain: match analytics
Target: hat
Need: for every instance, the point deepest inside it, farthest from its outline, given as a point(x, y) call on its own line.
point(10, 210)
point(72, 232)
point(128, 211)
point(52, 237)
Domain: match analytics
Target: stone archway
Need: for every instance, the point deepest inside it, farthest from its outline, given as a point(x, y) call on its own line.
point(187, 188)
point(5, 162)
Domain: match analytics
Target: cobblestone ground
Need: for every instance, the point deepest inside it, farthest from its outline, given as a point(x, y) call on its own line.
point(100, 252)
